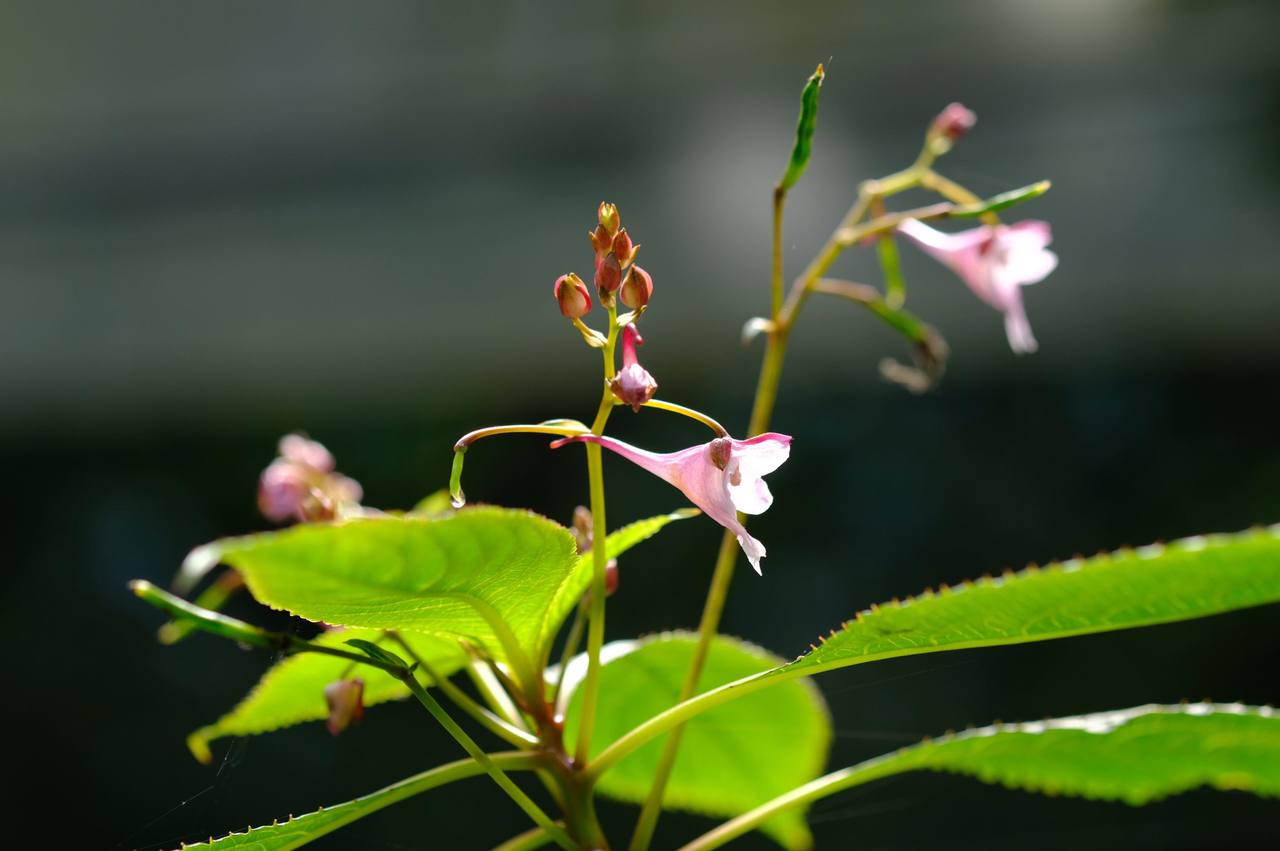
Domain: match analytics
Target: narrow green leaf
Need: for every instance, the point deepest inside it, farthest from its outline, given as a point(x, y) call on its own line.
point(733, 758)
point(299, 831)
point(1133, 755)
point(292, 691)
point(376, 653)
point(1156, 584)
point(1000, 202)
point(804, 131)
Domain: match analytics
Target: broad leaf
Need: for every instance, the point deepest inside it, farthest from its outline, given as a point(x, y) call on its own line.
point(500, 578)
point(299, 831)
point(733, 758)
point(1132, 755)
point(293, 690)
point(1187, 579)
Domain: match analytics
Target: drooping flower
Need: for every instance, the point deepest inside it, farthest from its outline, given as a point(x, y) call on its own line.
point(722, 477)
point(996, 262)
point(345, 699)
point(633, 385)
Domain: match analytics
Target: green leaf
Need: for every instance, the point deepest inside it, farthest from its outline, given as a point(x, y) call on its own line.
point(1000, 202)
point(487, 574)
point(1156, 584)
point(499, 578)
point(1132, 755)
point(292, 691)
point(299, 831)
point(804, 131)
point(733, 758)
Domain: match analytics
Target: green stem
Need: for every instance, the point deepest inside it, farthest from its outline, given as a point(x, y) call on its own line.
point(775, 279)
point(493, 769)
point(527, 841)
point(707, 421)
point(837, 781)
point(571, 642)
point(783, 317)
point(599, 554)
point(494, 724)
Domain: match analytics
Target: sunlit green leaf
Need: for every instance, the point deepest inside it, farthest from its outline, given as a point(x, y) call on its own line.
point(296, 832)
point(1133, 755)
point(1160, 583)
point(732, 758)
point(292, 691)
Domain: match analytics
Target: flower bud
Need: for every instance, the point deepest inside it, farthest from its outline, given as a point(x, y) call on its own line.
point(623, 247)
point(582, 529)
point(601, 241)
point(950, 126)
point(637, 289)
point(346, 704)
point(611, 577)
point(608, 216)
point(608, 273)
point(572, 296)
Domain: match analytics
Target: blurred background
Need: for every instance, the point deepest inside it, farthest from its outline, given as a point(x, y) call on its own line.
point(221, 222)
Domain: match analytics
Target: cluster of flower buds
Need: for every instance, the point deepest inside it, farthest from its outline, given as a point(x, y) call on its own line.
point(616, 274)
point(301, 484)
point(345, 699)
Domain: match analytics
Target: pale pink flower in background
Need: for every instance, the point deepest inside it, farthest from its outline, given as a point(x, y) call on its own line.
point(996, 262)
point(722, 477)
point(301, 483)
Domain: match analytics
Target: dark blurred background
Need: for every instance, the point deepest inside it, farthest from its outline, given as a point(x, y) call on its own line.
point(220, 222)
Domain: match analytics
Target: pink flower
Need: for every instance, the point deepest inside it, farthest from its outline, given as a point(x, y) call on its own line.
point(301, 483)
point(996, 262)
point(633, 385)
point(722, 477)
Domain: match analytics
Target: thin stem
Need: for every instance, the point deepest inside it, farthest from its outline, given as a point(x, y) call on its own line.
point(783, 316)
point(529, 840)
point(571, 642)
point(562, 428)
point(499, 776)
point(491, 688)
point(837, 781)
point(599, 555)
point(707, 421)
point(463, 701)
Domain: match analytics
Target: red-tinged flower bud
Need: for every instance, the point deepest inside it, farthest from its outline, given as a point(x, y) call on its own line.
point(622, 246)
point(952, 124)
point(582, 529)
point(611, 577)
point(637, 289)
point(346, 704)
point(601, 241)
point(608, 273)
point(608, 216)
point(572, 296)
